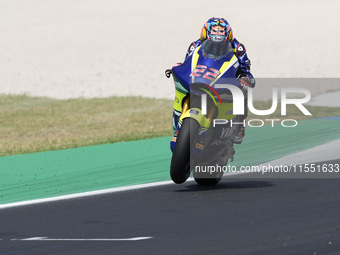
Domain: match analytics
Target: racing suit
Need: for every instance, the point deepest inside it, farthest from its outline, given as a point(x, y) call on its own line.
point(241, 54)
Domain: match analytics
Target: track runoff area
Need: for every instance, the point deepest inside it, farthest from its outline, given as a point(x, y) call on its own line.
point(244, 214)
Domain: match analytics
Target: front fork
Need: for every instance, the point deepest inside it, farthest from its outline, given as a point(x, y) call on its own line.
point(186, 105)
point(203, 121)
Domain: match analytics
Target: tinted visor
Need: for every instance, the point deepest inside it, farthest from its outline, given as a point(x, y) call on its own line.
point(216, 50)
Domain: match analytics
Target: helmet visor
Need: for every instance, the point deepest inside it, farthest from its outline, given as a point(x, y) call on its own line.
point(215, 49)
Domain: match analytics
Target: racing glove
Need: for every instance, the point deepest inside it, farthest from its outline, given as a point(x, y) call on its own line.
point(245, 83)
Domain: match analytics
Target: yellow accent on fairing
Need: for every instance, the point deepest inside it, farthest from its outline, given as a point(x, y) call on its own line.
point(201, 119)
point(227, 64)
point(195, 58)
point(178, 101)
point(225, 111)
point(223, 68)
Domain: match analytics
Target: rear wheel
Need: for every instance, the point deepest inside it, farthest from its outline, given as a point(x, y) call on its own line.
point(180, 162)
point(212, 178)
point(210, 181)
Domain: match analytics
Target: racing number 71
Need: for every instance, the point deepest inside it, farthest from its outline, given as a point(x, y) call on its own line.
point(202, 70)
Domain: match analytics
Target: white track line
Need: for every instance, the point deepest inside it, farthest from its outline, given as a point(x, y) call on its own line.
point(85, 194)
point(84, 239)
point(92, 193)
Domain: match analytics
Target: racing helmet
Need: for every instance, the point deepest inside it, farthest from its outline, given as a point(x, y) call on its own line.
point(216, 29)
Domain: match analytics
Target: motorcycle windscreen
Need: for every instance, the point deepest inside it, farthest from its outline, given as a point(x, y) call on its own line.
point(216, 50)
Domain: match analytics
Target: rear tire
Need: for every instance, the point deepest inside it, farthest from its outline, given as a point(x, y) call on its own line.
point(180, 161)
point(207, 181)
point(210, 179)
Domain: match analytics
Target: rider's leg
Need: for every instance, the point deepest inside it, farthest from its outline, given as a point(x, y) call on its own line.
point(242, 130)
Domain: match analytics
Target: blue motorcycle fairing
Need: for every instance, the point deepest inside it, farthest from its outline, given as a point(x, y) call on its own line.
point(182, 73)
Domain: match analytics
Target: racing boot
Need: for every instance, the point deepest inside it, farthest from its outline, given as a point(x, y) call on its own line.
point(239, 137)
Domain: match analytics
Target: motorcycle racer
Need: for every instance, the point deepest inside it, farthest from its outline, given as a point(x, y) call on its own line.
point(218, 29)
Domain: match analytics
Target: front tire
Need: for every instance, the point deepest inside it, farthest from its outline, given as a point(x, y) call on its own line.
point(180, 161)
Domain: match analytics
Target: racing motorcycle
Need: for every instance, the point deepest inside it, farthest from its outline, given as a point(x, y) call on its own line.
point(199, 144)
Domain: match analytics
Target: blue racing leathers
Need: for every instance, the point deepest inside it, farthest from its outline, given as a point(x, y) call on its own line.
point(241, 54)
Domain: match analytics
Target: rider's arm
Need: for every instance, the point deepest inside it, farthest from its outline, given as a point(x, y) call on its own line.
point(244, 69)
point(192, 47)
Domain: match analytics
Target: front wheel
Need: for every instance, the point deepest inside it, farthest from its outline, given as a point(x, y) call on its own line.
point(180, 162)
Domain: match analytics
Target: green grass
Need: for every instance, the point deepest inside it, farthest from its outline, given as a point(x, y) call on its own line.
point(33, 124)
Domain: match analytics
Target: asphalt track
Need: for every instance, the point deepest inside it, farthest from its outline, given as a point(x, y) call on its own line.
point(239, 216)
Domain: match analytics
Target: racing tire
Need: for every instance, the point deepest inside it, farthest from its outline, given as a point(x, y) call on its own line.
point(207, 181)
point(180, 161)
point(210, 179)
